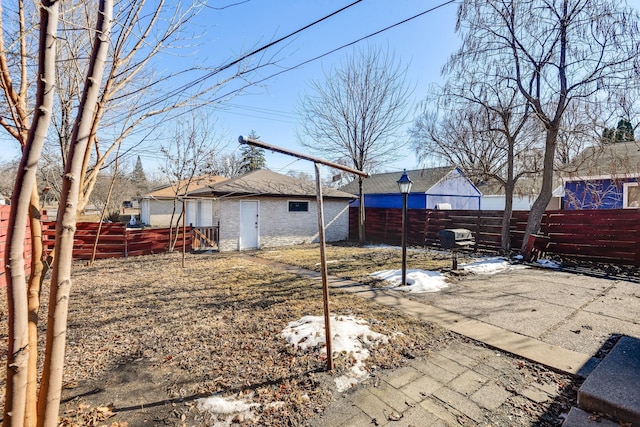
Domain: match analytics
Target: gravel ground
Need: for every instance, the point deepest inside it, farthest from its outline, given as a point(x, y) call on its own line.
point(147, 338)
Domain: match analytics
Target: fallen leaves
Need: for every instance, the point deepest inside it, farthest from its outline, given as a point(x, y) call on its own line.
point(150, 335)
point(85, 415)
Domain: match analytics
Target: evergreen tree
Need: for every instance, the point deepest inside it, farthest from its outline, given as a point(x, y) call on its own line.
point(624, 132)
point(139, 179)
point(252, 157)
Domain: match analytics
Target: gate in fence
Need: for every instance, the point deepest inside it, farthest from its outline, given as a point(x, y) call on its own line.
point(205, 238)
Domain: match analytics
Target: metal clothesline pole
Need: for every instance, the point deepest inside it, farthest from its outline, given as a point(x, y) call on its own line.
point(323, 260)
point(261, 144)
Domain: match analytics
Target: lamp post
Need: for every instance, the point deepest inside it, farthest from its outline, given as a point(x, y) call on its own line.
point(404, 184)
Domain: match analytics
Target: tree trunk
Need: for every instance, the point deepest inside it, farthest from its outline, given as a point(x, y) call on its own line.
point(361, 215)
point(33, 301)
point(505, 232)
point(51, 385)
point(18, 305)
point(173, 235)
point(541, 203)
point(506, 218)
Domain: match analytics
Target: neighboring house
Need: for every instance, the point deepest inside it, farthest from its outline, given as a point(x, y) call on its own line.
point(604, 177)
point(266, 209)
point(442, 187)
point(157, 208)
point(526, 192)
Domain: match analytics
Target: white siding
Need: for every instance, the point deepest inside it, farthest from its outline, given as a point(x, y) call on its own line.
point(191, 207)
point(144, 212)
point(454, 189)
point(157, 213)
point(454, 183)
point(496, 203)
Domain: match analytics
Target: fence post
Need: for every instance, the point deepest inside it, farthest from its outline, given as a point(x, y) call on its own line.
point(126, 242)
point(475, 246)
point(425, 228)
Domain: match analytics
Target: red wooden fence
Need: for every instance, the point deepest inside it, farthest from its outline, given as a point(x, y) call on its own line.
point(4, 221)
point(610, 236)
point(115, 241)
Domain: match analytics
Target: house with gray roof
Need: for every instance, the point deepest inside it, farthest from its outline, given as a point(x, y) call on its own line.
point(266, 209)
point(433, 188)
point(604, 177)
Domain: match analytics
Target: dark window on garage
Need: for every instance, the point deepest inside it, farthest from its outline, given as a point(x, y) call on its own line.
point(298, 206)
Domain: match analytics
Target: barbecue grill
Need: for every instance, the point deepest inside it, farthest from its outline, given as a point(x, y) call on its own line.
point(455, 239)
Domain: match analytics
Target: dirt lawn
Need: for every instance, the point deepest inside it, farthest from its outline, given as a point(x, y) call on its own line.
point(147, 338)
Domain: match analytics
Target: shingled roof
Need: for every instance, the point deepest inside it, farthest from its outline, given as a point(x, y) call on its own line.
point(185, 186)
point(264, 182)
point(618, 160)
point(386, 183)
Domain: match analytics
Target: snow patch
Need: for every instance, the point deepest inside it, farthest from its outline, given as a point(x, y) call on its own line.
point(547, 263)
point(490, 266)
point(227, 408)
point(418, 281)
point(350, 336)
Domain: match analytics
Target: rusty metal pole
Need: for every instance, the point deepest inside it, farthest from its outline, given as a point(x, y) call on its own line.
point(323, 259)
point(323, 269)
point(184, 231)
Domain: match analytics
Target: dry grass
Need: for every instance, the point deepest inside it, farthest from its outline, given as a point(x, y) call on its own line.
point(147, 337)
point(355, 262)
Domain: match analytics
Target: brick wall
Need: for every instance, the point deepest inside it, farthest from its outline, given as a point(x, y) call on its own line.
point(279, 227)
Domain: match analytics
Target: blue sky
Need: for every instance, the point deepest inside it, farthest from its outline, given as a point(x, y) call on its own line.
point(422, 44)
point(226, 33)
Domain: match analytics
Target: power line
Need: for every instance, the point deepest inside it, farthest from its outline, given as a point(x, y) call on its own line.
point(259, 113)
point(404, 21)
point(227, 94)
point(186, 86)
point(207, 76)
point(284, 114)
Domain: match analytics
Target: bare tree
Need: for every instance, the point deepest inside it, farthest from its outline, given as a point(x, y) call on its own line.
point(193, 145)
point(23, 301)
point(51, 383)
point(111, 189)
point(8, 172)
point(50, 171)
point(486, 133)
point(572, 51)
point(356, 113)
point(228, 165)
point(107, 93)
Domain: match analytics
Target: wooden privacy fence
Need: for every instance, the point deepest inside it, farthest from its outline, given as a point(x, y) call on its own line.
point(603, 236)
point(116, 241)
point(4, 221)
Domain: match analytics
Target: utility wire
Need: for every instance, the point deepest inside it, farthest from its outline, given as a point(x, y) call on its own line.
point(207, 76)
point(404, 21)
point(240, 89)
point(186, 86)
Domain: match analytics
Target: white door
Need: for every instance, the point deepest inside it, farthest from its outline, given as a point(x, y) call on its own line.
point(191, 214)
point(248, 225)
